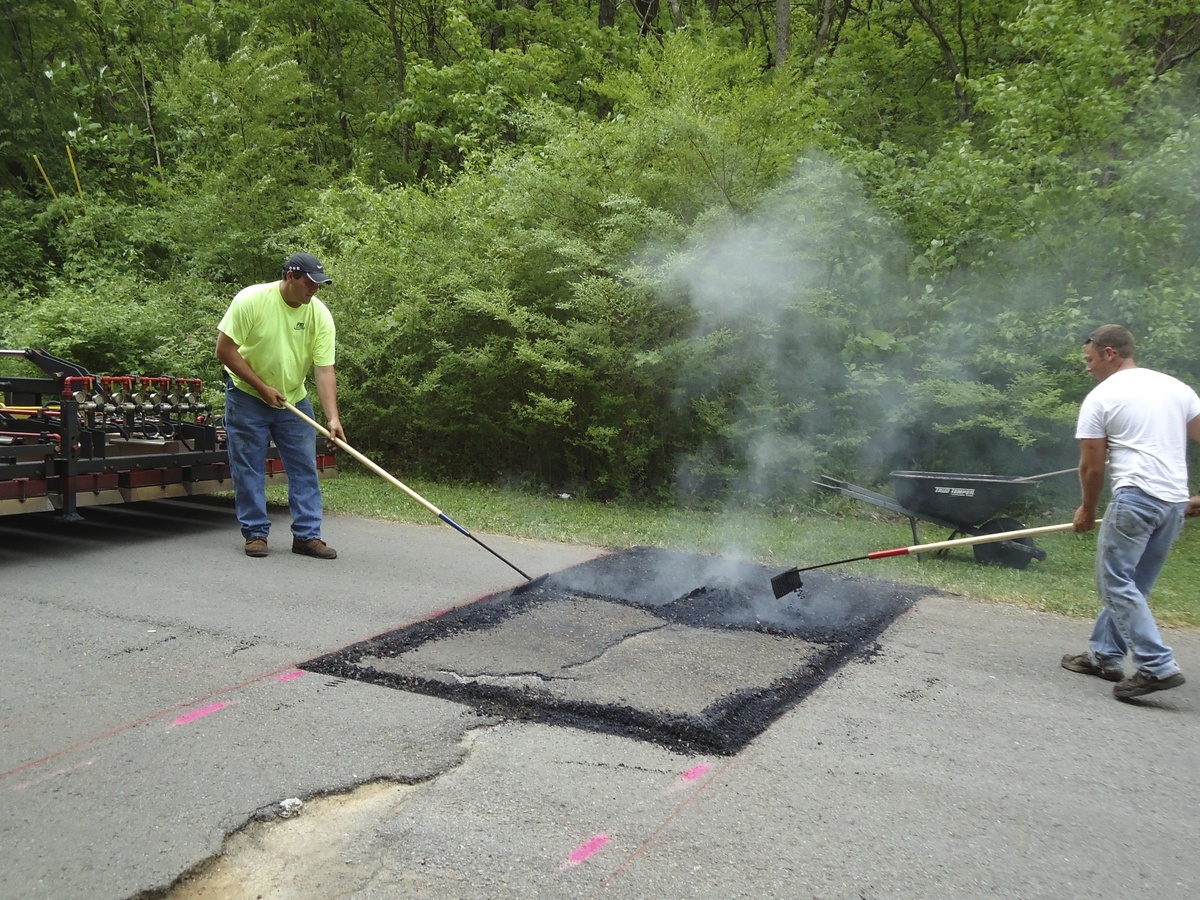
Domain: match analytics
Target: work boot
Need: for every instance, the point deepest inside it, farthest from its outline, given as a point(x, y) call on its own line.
point(256, 547)
point(1109, 669)
point(1142, 683)
point(316, 548)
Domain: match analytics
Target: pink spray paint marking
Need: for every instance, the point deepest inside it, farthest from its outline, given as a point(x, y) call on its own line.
point(290, 676)
point(199, 713)
point(56, 774)
point(586, 851)
point(695, 772)
point(686, 779)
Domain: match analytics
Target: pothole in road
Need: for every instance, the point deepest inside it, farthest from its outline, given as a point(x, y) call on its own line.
point(319, 853)
point(691, 652)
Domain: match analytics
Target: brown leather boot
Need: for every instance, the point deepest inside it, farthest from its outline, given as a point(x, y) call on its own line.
point(316, 548)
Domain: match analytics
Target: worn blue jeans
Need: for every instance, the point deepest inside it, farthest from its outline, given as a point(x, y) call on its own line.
point(250, 425)
point(1135, 536)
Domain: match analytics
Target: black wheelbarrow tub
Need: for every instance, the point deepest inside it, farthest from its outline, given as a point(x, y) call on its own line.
point(968, 500)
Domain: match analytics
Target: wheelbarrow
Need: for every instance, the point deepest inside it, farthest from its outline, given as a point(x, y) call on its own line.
point(968, 505)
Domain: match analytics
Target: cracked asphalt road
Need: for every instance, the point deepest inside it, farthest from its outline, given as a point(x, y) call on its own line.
point(152, 706)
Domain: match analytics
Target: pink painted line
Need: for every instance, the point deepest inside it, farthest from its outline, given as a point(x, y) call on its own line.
point(290, 676)
point(199, 713)
point(695, 772)
point(56, 774)
point(588, 850)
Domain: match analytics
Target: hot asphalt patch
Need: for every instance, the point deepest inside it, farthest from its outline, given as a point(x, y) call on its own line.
point(691, 652)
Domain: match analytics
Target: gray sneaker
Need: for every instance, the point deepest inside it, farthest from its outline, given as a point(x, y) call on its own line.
point(1109, 669)
point(1142, 683)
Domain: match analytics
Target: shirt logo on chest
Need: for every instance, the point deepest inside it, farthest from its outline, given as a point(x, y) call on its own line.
point(299, 326)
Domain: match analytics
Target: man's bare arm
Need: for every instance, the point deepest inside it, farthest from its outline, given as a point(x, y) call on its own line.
point(326, 379)
point(1093, 453)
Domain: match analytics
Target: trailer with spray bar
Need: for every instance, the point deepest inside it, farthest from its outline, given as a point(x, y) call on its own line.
point(70, 439)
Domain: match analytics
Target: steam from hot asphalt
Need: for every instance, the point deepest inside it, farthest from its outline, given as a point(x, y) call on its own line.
point(726, 592)
point(765, 285)
point(767, 280)
point(800, 307)
point(814, 250)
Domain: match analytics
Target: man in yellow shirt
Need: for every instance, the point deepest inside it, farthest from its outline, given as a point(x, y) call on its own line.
point(268, 340)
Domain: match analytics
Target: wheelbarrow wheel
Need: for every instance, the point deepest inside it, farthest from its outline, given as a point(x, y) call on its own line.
point(1012, 554)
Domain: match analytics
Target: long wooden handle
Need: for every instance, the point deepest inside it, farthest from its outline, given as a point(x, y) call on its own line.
point(977, 539)
point(378, 470)
point(1045, 475)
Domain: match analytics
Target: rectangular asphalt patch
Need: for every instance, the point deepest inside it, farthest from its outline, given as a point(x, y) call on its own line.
point(689, 651)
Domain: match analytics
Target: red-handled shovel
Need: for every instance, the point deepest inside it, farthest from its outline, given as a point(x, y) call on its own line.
point(786, 582)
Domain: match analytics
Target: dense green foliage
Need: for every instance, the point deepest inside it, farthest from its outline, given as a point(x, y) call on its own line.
point(645, 250)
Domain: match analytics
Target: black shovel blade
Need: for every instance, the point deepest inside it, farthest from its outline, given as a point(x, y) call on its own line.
point(786, 582)
point(529, 585)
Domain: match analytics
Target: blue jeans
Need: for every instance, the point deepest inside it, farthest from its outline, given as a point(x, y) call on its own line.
point(250, 424)
point(1135, 536)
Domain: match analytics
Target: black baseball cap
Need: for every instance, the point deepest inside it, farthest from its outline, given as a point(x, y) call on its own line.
point(309, 265)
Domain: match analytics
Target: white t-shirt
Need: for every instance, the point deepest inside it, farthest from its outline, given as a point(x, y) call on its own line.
point(1144, 415)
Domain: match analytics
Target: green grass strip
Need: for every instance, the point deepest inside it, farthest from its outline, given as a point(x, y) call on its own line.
point(1062, 583)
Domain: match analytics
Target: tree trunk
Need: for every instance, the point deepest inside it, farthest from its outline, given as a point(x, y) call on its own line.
point(783, 32)
point(647, 12)
point(395, 26)
point(832, 18)
point(825, 23)
point(1178, 42)
point(148, 108)
point(676, 13)
point(960, 92)
point(608, 13)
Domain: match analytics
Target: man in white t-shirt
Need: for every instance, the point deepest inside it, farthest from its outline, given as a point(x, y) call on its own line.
point(1139, 421)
